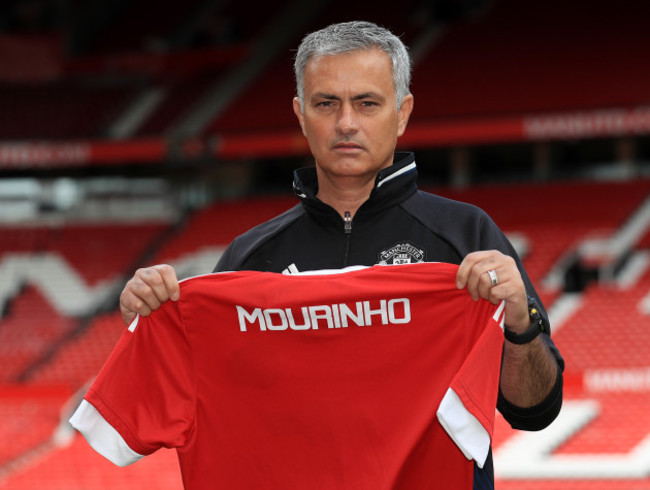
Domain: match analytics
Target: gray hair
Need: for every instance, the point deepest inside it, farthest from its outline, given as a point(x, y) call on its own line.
point(351, 36)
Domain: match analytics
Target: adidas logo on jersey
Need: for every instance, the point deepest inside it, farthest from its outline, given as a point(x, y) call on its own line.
point(362, 314)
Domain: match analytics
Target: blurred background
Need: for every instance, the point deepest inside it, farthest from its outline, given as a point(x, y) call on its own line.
point(139, 132)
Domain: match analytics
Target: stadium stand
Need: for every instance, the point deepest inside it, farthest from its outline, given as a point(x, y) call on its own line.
point(81, 357)
point(61, 470)
point(61, 110)
point(178, 97)
point(34, 415)
point(29, 330)
point(536, 57)
point(52, 277)
point(60, 280)
point(644, 242)
point(127, 33)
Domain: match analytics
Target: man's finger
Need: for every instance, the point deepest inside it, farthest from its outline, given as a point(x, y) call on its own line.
point(156, 284)
point(485, 285)
point(150, 286)
point(131, 305)
point(467, 265)
point(168, 274)
point(472, 273)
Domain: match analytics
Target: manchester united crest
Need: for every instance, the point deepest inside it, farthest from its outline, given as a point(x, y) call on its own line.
point(401, 253)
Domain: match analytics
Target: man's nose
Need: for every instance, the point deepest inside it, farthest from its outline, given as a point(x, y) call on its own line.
point(346, 122)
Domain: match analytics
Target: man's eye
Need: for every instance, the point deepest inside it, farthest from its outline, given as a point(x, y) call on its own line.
point(324, 103)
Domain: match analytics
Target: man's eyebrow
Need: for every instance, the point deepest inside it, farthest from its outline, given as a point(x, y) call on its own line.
point(365, 95)
point(323, 95)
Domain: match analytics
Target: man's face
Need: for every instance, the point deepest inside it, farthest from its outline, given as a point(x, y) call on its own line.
point(350, 115)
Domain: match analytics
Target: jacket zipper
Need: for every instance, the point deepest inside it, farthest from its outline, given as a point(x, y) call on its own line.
point(347, 230)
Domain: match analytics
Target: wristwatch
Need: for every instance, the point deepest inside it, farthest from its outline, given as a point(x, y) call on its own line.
point(536, 326)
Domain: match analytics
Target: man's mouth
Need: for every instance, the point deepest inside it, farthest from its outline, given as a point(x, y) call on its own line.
point(347, 146)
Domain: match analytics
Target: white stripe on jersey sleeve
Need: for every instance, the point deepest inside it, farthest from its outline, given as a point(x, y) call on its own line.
point(499, 315)
point(134, 324)
point(465, 430)
point(101, 436)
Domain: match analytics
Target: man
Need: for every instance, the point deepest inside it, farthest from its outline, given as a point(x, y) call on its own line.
point(360, 206)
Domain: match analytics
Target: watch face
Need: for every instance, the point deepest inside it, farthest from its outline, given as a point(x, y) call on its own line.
point(534, 313)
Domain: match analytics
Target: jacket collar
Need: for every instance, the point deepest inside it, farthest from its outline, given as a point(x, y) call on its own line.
point(393, 184)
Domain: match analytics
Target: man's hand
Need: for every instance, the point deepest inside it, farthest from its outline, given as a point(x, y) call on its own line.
point(149, 288)
point(473, 274)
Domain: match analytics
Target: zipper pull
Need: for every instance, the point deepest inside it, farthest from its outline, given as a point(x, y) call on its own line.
point(347, 222)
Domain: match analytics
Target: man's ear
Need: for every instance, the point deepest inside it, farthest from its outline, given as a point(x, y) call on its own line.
point(404, 114)
point(298, 113)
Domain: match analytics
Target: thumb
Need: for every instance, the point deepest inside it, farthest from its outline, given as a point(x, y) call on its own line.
point(128, 316)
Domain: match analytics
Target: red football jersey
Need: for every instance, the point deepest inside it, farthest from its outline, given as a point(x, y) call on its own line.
point(367, 378)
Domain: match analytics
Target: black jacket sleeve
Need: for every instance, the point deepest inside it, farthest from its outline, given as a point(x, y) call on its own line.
point(539, 416)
